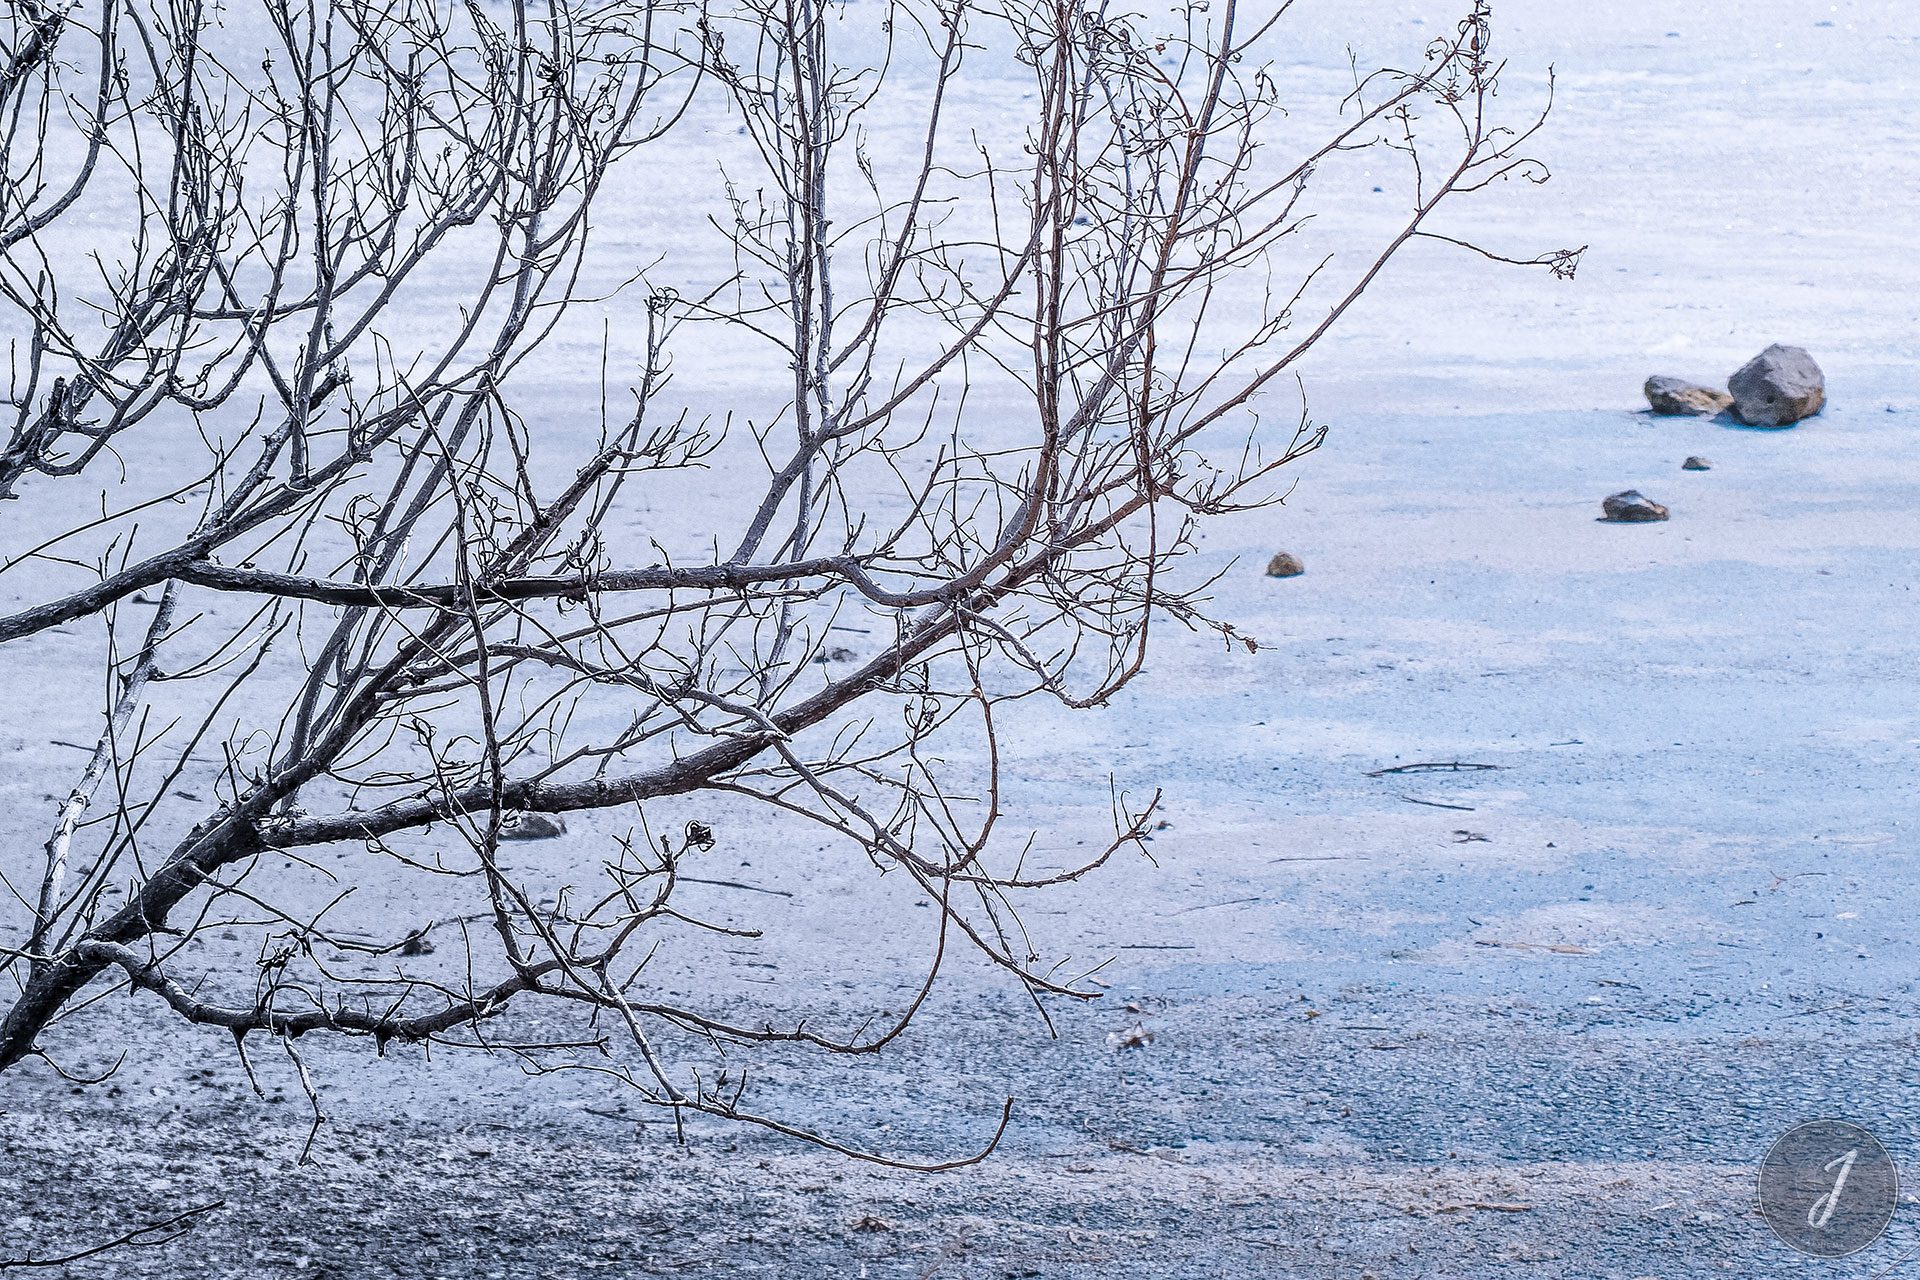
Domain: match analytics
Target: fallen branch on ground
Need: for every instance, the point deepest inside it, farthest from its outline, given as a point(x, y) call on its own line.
point(138, 1238)
point(1562, 948)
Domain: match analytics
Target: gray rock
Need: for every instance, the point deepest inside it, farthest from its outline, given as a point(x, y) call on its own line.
point(1777, 388)
point(1631, 507)
point(1285, 565)
point(1696, 463)
point(532, 826)
point(1678, 396)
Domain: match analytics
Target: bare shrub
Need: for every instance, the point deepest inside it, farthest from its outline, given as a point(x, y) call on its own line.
point(276, 285)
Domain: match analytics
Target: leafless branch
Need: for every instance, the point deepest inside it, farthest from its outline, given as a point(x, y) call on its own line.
point(306, 377)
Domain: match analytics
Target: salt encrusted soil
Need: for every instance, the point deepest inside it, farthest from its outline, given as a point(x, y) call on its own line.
point(1709, 734)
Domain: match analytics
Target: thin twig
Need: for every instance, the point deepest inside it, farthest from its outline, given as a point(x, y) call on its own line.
point(145, 1237)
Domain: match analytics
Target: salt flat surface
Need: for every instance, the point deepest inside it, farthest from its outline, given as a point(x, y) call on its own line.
point(1707, 733)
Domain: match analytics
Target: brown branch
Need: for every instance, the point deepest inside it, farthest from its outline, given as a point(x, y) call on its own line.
point(146, 975)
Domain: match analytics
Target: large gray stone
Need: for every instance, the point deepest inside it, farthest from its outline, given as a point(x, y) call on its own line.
point(1777, 388)
point(1678, 396)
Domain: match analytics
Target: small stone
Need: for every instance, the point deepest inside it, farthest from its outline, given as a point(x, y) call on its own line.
point(532, 826)
point(1631, 507)
point(1673, 396)
point(1696, 463)
point(1778, 387)
point(1285, 565)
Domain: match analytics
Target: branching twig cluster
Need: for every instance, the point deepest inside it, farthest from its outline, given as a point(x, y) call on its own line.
point(376, 599)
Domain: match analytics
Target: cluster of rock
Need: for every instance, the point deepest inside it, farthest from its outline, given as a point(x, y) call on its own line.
point(1776, 388)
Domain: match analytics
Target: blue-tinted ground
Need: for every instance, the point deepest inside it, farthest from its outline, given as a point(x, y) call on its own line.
point(1597, 984)
point(1687, 923)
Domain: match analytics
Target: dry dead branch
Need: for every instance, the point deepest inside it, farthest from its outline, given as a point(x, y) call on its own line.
point(279, 278)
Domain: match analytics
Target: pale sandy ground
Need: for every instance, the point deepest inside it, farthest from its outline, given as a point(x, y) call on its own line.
point(1709, 735)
